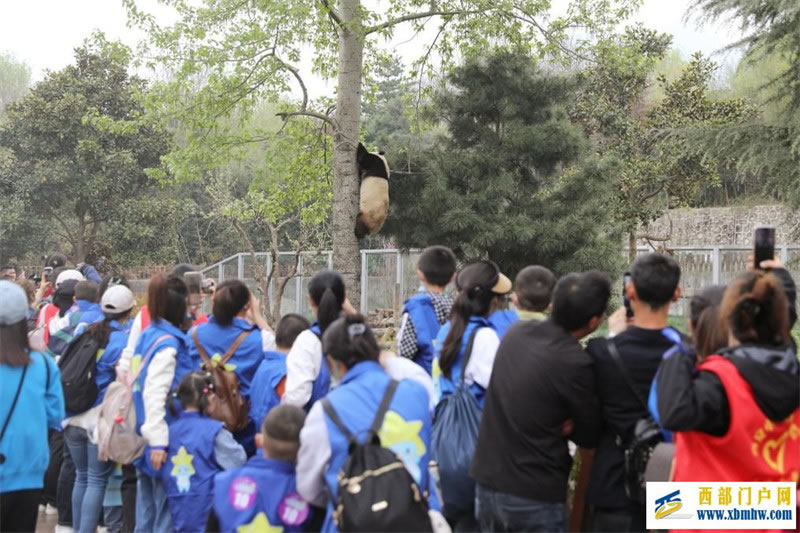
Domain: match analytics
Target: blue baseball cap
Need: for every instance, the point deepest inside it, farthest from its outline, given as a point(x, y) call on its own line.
point(13, 303)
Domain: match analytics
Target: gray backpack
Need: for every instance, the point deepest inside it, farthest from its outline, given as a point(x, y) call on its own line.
point(117, 438)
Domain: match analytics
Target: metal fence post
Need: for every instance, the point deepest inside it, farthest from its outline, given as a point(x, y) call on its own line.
point(364, 287)
point(268, 296)
point(330, 260)
point(716, 267)
point(220, 273)
point(784, 254)
point(240, 266)
point(298, 285)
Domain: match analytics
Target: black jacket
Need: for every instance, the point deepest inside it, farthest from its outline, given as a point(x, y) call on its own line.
point(641, 351)
point(696, 401)
point(541, 378)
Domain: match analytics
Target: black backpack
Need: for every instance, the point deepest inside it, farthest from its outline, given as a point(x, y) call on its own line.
point(376, 492)
point(78, 366)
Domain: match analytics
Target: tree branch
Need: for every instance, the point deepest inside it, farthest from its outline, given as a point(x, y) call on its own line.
point(332, 12)
point(286, 116)
point(423, 15)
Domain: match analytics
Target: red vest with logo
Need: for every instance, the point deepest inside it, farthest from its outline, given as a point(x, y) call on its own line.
point(753, 449)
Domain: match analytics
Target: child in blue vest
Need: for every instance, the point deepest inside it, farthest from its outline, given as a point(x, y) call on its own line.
point(353, 353)
point(481, 286)
point(426, 312)
point(199, 448)
point(533, 290)
point(235, 313)
point(307, 376)
point(161, 357)
point(270, 379)
point(262, 495)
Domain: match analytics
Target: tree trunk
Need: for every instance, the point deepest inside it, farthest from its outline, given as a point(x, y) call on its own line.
point(632, 247)
point(79, 250)
point(346, 257)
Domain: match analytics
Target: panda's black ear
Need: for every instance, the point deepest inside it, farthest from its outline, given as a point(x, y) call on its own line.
point(381, 153)
point(361, 152)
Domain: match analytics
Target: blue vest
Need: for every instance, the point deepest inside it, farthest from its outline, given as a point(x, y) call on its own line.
point(216, 339)
point(188, 473)
point(406, 428)
point(89, 312)
point(442, 385)
point(261, 494)
point(105, 373)
point(177, 340)
point(322, 383)
point(263, 396)
point(502, 320)
point(423, 315)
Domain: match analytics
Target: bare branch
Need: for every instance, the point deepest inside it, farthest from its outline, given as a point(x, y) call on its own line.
point(286, 116)
point(653, 194)
point(424, 15)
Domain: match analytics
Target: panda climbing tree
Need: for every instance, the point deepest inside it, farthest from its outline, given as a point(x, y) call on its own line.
point(373, 171)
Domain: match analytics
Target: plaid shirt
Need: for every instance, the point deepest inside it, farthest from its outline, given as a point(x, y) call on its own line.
point(407, 337)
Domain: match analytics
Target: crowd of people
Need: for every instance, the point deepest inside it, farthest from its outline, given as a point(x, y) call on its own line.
point(472, 425)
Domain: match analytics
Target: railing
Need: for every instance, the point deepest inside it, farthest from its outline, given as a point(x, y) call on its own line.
point(389, 276)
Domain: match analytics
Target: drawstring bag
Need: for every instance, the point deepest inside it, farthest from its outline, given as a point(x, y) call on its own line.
point(455, 435)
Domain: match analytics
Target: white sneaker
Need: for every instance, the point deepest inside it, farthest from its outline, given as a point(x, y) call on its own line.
point(50, 510)
point(102, 529)
point(63, 529)
point(42, 507)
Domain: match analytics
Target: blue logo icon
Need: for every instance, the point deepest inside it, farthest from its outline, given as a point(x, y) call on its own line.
point(666, 505)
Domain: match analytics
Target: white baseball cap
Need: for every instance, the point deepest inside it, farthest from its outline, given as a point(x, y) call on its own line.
point(13, 303)
point(69, 274)
point(117, 299)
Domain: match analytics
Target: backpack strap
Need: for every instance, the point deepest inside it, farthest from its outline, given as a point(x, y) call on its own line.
point(202, 351)
point(16, 397)
point(468, 351)
point(147, 356)
point(381, 412)
point(233, 347)
point(334, 416)
point(614, 352)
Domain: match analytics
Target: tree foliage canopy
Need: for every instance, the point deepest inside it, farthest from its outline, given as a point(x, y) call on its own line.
point(511, 180)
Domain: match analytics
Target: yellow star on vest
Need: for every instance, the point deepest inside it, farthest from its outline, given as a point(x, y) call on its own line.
point(217, 358)
point(260, 524)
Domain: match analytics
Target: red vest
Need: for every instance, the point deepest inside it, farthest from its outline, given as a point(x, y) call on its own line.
point(753, 449)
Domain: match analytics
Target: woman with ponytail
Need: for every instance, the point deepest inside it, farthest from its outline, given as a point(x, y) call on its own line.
point(480, 287)
point(740, 407)
point(160, 354)
point(350, 410)
point(91, 474)
point(307, 376)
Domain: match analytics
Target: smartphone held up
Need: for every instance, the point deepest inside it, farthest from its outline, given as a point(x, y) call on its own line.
point(764, 245)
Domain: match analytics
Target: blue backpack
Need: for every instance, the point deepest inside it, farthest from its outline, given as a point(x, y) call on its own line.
point(455, 434)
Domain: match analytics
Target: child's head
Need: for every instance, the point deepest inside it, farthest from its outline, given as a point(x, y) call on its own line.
point(326, 294)
point(166, 299)
point(533, 289)
point(289, 327)
point(280, 432)
point(194, 392)
point(87, 291)
point(349, 341)
point(436, 266)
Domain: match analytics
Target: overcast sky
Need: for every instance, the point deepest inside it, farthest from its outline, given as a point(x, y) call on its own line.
point(43, 33)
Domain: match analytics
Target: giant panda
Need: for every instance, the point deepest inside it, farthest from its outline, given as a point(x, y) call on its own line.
point(373, 170)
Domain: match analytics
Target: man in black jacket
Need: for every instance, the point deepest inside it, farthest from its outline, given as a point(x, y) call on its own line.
point(541, 394)
point(654, 287)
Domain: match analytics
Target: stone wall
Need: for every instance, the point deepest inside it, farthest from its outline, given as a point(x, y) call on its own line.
point(726, 226)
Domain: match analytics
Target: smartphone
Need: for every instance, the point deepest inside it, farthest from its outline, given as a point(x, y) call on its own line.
point(194, 282)
point(626, 278)
point(764, 249)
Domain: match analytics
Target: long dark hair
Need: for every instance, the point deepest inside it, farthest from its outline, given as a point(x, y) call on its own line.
point(709, 336)
point(229, 299)
point(101, 331)
point(475, 282)
point(350, 340)
point(14, 346)
point(166, 299)
point(326, 290)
